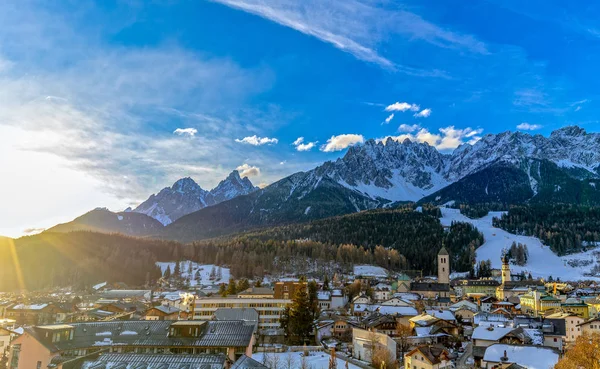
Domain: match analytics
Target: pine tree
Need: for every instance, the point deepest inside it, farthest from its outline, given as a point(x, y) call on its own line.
point(301, 320)
point(231, 287)
point(313, 298)
point(177, 272)
point(326, 283)
point(223, 290)
point(243, 285)
point(167, 274)
point(213, 274)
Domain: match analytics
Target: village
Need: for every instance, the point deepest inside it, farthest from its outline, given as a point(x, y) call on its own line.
point(370, 319)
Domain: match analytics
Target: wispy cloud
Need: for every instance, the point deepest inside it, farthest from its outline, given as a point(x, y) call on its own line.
point(358, 27)
point(257, 141)
point(191, 132)
point(341, 142)
point(448, 137)
point(389, 118)
point(529, 127)
point(425, 113)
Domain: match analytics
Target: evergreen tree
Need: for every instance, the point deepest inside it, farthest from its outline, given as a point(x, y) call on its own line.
point(313, 298)
point(177, 272)
point(258, 283)
point(243, 285)
point(326, 283)
point(231, 287)
point(223, 290)
point(301, 319)
point(213, 274)
point(167, 274)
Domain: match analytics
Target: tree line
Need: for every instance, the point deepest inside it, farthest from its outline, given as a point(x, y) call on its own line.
point(564, 228)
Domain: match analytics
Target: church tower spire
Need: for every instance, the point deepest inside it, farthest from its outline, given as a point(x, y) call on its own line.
point(505, 269)
point(443, 266)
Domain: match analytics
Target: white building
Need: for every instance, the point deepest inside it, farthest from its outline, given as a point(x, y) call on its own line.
point(365, 342)
point(269, 310)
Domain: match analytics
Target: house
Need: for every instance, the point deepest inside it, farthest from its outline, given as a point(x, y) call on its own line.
point(32, 314)
point(39, 345)
point(365, 342)
point(338, 299)
point(486, 303)
point(335, 326)
point(428, 328)
point(593, 306)
point(161, 312)
point(396, 301)
point(484, 337)
point(590, 326)
point(476, 287)
point(531, 357)
point(5, 338)
point(380, 323)
point(567, 323)
point(465, 315)
point(446, 315)
point(324, 300)
point(428, 357)
point(382, 292)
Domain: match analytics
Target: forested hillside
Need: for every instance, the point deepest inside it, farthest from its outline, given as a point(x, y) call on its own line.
point(415, 235)
point(565, 228)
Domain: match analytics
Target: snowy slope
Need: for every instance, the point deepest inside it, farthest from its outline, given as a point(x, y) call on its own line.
point(542, 262)
point(204, 269)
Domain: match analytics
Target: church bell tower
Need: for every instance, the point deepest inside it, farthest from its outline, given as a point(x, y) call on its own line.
point(505, 269)
point(443, 266)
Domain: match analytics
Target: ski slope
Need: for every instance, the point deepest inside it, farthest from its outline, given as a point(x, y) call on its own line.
point(542, 262)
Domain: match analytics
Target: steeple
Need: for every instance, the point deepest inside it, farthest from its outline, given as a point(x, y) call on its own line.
point(443, 266)
point(505, 269)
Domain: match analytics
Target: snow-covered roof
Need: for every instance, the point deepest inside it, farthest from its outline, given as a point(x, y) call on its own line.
point(493, 334)
point(99, 286)
point(370, 271)
point(442, 314)
point(531, 357)
point(399, 310)
point(29, 307)
point(324, 295)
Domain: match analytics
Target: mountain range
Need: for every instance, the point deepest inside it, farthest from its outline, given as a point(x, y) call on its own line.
point(510, 167)
point(186, 196)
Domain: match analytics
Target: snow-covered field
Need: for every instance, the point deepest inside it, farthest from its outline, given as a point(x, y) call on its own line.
point(370, 271)
point(315, 360)
point(542, 262)
point(205, 270)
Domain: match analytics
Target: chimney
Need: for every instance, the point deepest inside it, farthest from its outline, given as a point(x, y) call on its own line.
point(505, 357)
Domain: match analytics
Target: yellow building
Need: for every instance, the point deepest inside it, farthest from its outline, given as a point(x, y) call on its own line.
point(577, 307)
point(537, 303)
point(593, 306)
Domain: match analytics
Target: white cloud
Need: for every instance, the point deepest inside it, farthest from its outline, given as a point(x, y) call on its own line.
point(447, 138)
point(248, 170)
point(257, 141)
point(389, 118)
point(423, 113)
point(301, 146)
point(528, 127)
point(358, 27)
point(341, 142)
point(191, 132)
point(402, 106)
point(408, 127)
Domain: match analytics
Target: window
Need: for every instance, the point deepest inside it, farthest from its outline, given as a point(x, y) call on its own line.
point(39, 365)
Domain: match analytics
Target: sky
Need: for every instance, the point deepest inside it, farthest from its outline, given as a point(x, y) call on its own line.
point(103, 103)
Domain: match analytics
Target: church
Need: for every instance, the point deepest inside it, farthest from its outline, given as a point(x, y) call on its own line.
point(510, 288)
point(439, 290)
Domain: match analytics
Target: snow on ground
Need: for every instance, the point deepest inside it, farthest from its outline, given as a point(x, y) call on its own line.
point(542, 262)
point(370, 271)
point(315, 360)
point(204, 269)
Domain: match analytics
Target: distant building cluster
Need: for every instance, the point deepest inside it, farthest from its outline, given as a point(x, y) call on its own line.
point(364, 319)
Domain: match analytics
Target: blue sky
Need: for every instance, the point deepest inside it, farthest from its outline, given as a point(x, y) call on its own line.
point(103, 103)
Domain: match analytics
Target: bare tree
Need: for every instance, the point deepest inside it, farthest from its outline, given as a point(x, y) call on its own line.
point(289, 361)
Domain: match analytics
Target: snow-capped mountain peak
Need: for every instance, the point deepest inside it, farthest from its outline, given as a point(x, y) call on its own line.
point(185, 196)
